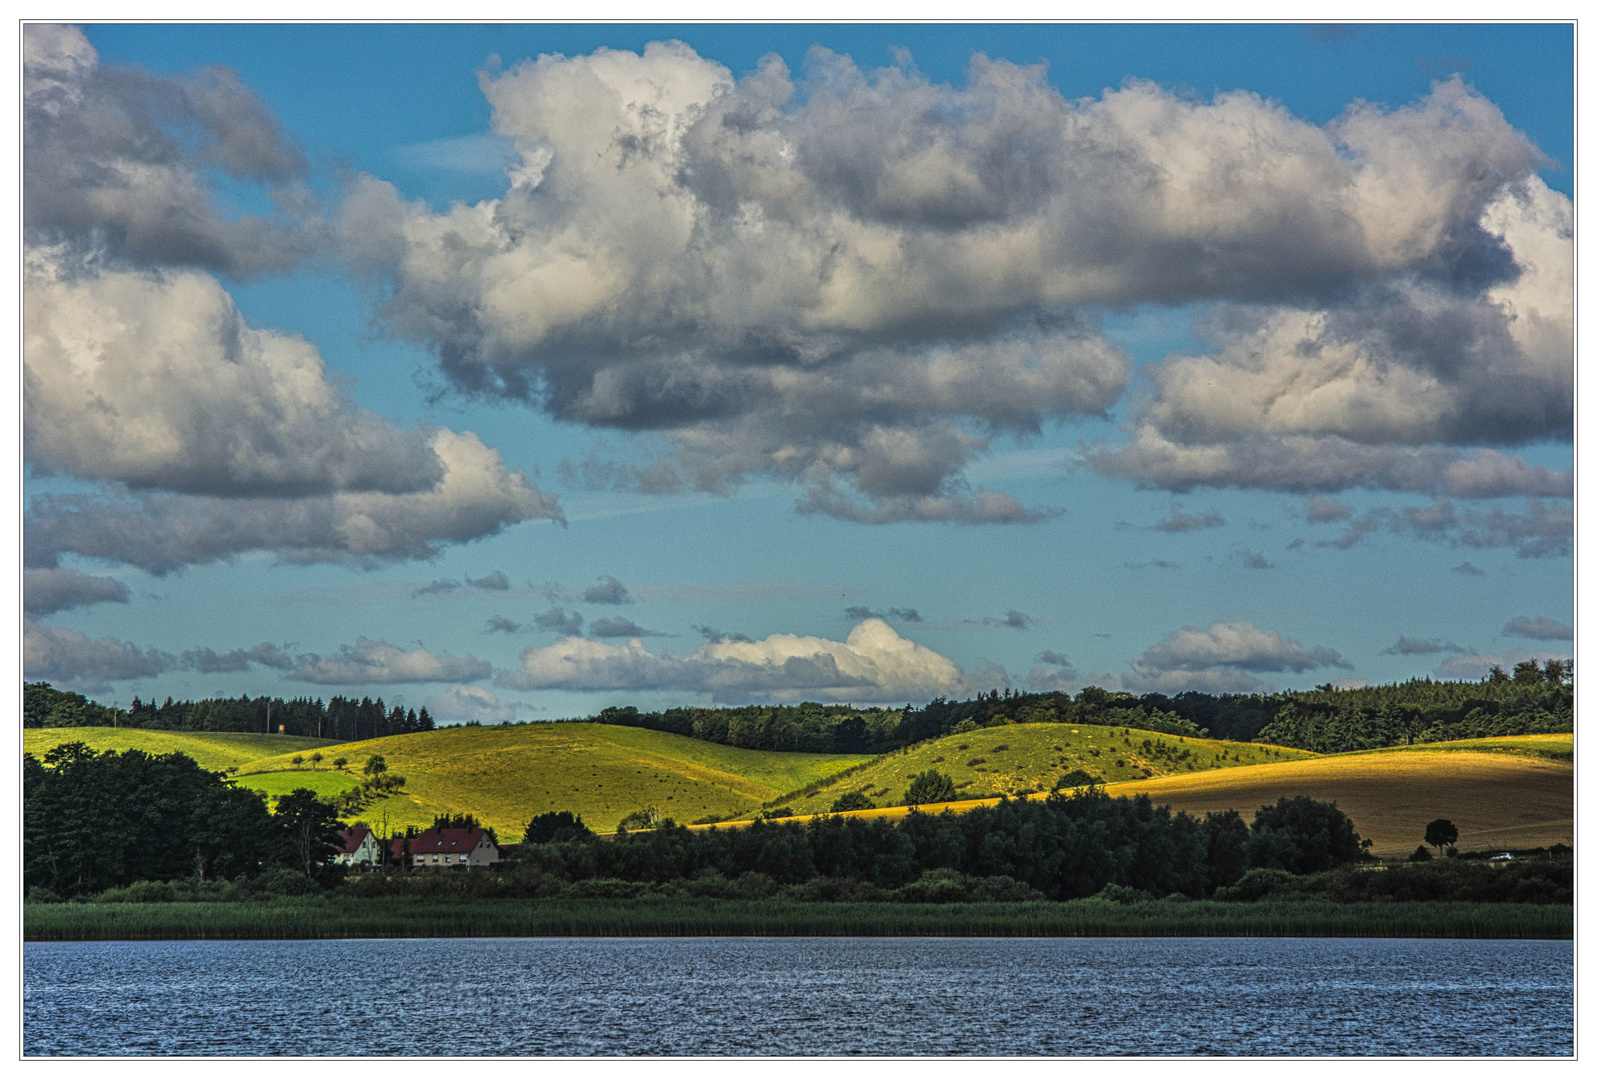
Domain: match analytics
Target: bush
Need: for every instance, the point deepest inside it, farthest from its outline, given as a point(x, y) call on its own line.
point(834, 890)
point(851, 800)
point(930, 786)
point(1421, 854)
point(38, 894)
point(1257, 885)
point(1076, 778)
point(1302, 835)
point(945, 886)
point(1122, 894)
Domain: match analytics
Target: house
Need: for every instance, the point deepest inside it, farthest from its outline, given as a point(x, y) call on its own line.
point(360, 848)
point(447, 847)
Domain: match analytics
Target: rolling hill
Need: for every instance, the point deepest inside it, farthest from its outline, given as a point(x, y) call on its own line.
point(216, 750)
point(506, 774)
point(1021, 758)
point(1509, 792)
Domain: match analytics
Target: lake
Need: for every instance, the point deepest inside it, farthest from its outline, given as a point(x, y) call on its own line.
point(800, 996)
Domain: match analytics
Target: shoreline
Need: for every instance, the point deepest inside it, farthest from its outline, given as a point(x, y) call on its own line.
point(427, 917)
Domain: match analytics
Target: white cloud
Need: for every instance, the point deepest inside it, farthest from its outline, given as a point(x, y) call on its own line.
point(853, 282)
point(875, 664)
point(1382, 390)
point(458, 704)
point(123, 156)
point(1221, 659)
point(369, 661)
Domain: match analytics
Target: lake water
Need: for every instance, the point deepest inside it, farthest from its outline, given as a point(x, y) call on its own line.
point(800, 996)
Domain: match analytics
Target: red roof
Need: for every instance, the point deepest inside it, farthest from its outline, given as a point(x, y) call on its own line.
point(353, 838)
point(441, 840)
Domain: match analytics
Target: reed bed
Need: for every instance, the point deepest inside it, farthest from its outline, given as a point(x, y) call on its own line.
point(431, 917)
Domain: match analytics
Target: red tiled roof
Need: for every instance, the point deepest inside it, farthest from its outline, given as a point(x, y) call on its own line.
point(353, 838)
point(440, 840)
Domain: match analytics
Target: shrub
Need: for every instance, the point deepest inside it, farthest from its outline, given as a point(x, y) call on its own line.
point(1122, 894)
point(851, 800)
point(1076, 778)
point(930, 786)
point(1000, 748)
point(962, 727)
point(1420, 854)
point(1256, 885)
point(38, 894)
point(555, 826)
point(976, 761)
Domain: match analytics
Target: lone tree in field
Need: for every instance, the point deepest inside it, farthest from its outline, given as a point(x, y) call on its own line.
point(316, 760)
point(930, 786)
point(298, 759)
point(1441, 833)
point(340, 762)
point(851, 800)
point(375, 766)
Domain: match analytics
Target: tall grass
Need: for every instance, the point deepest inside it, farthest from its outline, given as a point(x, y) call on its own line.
point(408, 917)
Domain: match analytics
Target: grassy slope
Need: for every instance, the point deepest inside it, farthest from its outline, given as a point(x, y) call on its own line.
point(1557, 747)
point(506, 774)
point(1038, 754)
point(211, 749)
point(1504, 796)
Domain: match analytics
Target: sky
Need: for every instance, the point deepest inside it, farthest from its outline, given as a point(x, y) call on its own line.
point(523, 370)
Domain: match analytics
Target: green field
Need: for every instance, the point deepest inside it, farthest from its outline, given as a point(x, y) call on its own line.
point(505, 774)
point(216, 750)
point(1020, 758)
point(326, 783)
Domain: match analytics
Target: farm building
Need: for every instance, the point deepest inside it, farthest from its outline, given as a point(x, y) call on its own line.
point(448, 847)
point(360, 848)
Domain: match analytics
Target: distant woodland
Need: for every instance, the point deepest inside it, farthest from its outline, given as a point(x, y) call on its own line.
point(1533, 699)
point(344, 719)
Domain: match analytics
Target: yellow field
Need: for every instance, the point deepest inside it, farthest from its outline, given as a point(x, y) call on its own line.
point(1497, 799)
point(215, 750)
point(506, 774)
point(1035, 755)
point(1557, 747)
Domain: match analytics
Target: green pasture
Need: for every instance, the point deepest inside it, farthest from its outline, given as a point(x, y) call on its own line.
point(1019, 758)
point(505, 774)
point(326, 783)
point(216, 750)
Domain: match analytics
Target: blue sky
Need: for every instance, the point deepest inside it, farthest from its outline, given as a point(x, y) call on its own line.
point(1222, 357)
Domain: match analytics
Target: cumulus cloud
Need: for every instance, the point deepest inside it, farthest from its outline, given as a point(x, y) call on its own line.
point(557, 620)
point(123, 155)
point(608, 591)
point(69, 657)
point(1179, 522)
point(50, 589)
point(1317, 509)
point(208, 661)
point(854, 279)
point(1222, 659)
point(618, 627)
point(1541, 628)
point(369, 661)
point(1407, 646)
point(459, 704)
point(1386, 389)
point(875, 664)
point(477, 496)
point(1478, 666)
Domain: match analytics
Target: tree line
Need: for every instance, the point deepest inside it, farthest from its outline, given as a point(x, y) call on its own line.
point(1532, 700)
point(95, 821)
point(340, 718)
point(1061, 848)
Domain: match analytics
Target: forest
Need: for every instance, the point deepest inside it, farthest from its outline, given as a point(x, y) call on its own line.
point(343, 719)
point(1533, 699)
